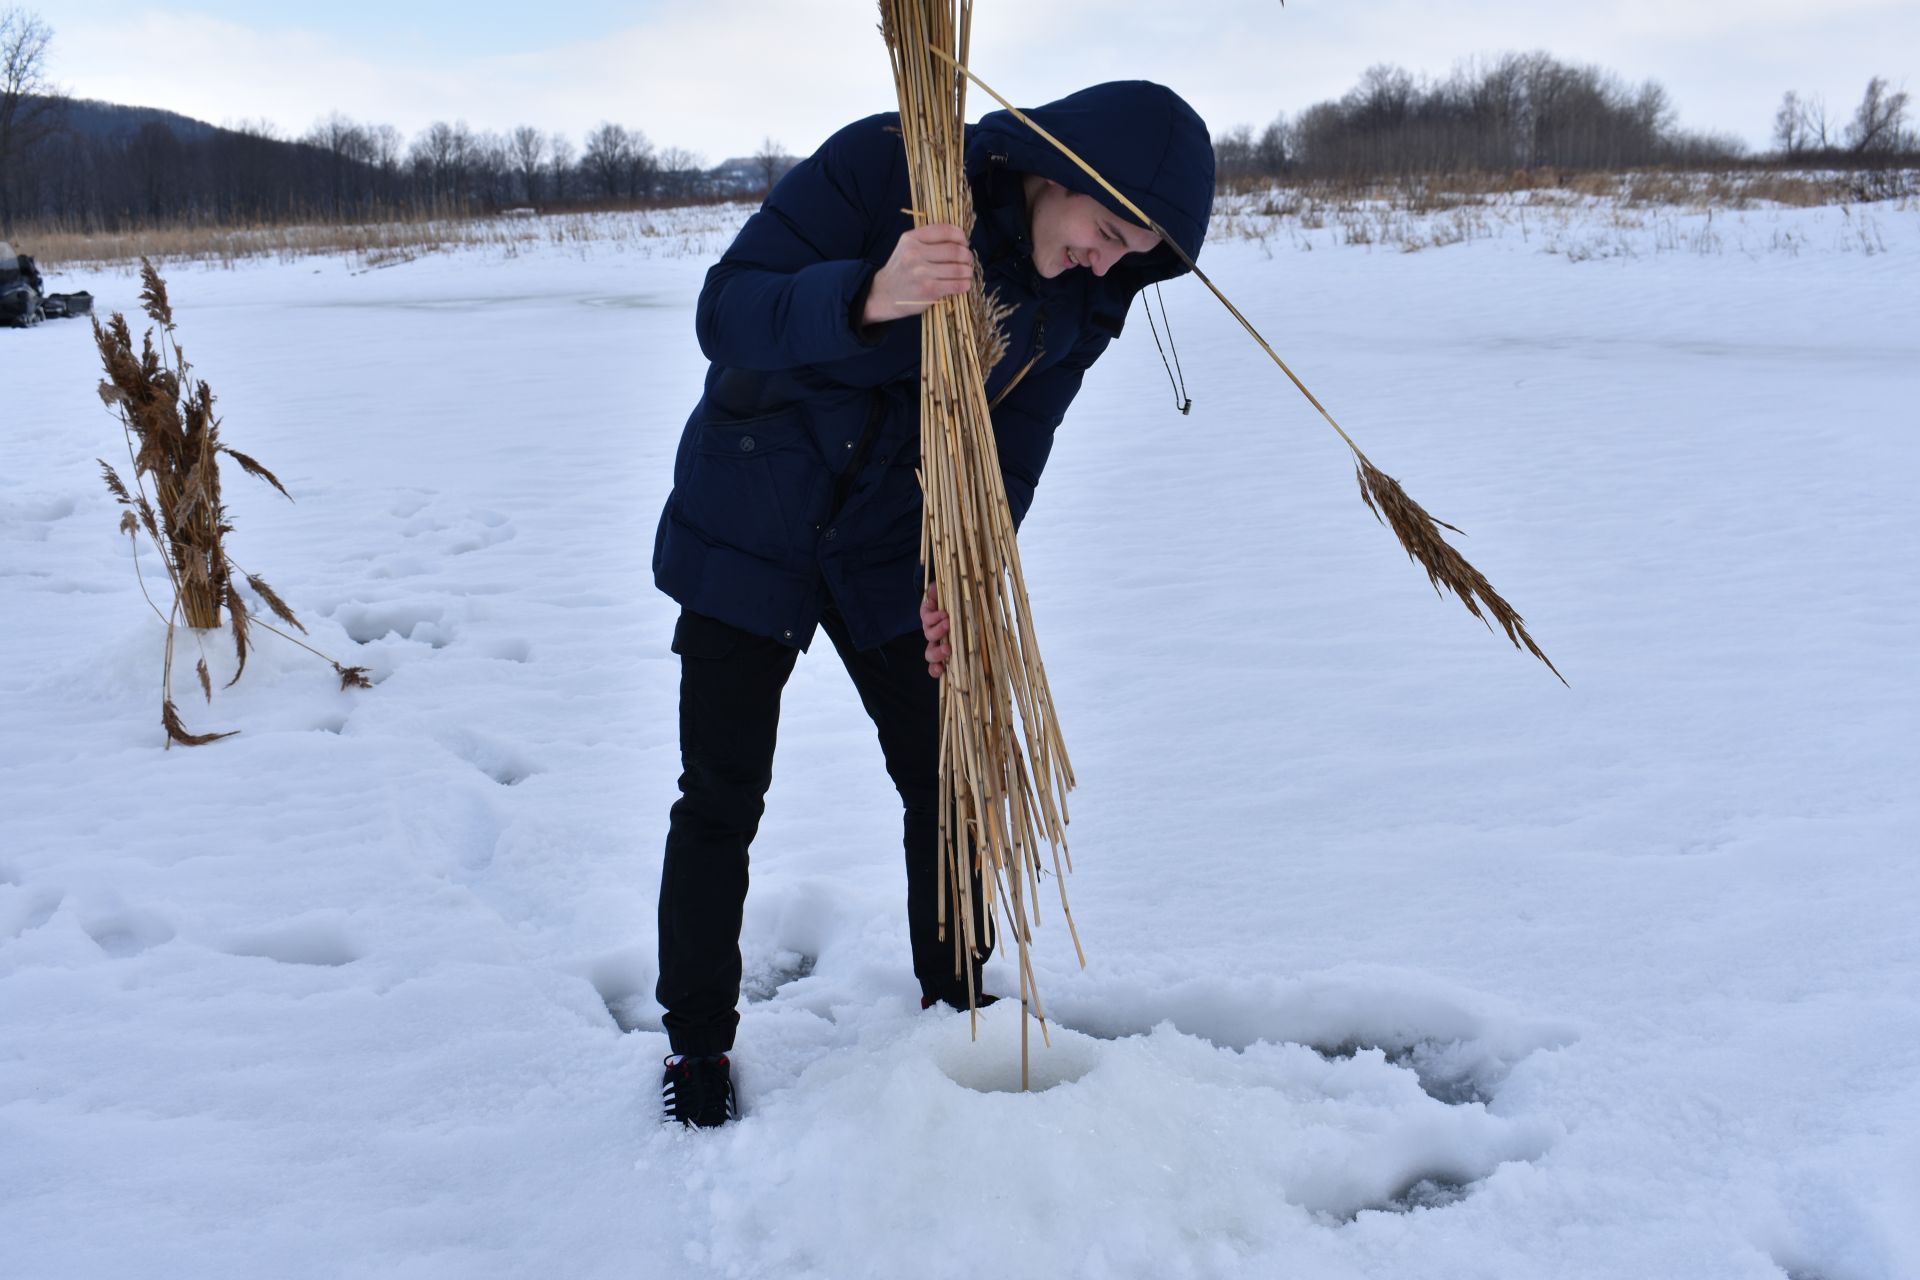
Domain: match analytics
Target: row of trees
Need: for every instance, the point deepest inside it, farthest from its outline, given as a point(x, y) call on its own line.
point(1529, 111)
point(345, 170)
point(92, 166)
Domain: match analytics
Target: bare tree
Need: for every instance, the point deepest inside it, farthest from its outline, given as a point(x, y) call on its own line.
point(1878, 121)
point(383, 141)
point(29, 104)
point(1790, 125)
point(681, 173)
point(606, 157)
point(1233, 153)
point(528, 148)
point(1275, 147)
point(772, 161)
point(442, 156)
point(349, 152)
point(559, 165)
point(642, 168)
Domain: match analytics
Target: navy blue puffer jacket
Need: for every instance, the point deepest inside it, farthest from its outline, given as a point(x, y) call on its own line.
point(794, 484)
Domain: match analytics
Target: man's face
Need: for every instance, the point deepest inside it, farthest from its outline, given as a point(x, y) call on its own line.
point(1071, 230)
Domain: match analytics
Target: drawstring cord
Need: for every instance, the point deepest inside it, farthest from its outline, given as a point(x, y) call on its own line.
point(1175, 374)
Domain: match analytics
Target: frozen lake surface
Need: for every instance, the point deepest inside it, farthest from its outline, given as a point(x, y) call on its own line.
point(1404, 960)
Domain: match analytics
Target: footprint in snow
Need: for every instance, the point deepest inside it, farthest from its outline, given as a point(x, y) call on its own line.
point(319, 940)
point(410, 505)
point(31, 519)
point(506, 649)
point(624, 979)
point(124, 932)
point(414, 620)
point(499, 761)
point(479, 530)
point(24, 910)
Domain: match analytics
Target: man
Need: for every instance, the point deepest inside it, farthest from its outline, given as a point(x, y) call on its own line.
point(795, 503)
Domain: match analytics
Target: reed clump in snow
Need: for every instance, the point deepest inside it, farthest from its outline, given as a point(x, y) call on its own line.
point(174, 447)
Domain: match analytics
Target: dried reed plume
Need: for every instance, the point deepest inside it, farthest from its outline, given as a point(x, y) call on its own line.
point(1418, 532)
point(1002, 787)
point(174, 446)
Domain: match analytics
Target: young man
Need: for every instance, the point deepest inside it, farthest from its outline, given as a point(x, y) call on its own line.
point(795, 503)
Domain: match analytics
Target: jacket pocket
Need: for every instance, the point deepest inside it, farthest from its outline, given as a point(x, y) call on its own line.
point(753, 483)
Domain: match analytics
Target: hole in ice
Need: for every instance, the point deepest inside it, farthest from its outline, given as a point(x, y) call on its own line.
point(1434, 1191)
point(991, 1063)
point(760, 983)
point(1448, 1071)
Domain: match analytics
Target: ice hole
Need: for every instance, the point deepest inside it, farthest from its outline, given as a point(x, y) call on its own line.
point(991, 1064)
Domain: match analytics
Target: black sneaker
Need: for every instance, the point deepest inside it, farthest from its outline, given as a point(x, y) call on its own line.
point(959, 1001)
point(698, 1092)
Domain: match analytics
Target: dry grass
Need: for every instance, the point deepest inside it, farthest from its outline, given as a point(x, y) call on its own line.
point(174, 448)
point(675, 232)
point(1581, 217)
point(1446, 568)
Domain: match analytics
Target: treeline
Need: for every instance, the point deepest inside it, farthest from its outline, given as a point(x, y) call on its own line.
point(1530, 111)
point(160, 171)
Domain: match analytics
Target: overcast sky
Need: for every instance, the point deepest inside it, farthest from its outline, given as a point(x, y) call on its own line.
point(718, 76)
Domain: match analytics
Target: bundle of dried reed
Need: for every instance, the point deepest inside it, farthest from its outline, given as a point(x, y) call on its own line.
point(173, 442)
point(1417, 531)
point(1003, 778)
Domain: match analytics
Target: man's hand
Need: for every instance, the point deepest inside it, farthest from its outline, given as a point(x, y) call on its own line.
point(933, 625)
point(928, 263)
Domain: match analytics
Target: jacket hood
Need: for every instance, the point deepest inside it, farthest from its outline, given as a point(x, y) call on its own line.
point(1141, 136)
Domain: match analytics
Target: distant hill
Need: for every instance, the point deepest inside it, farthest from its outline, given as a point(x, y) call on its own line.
point(95, 119)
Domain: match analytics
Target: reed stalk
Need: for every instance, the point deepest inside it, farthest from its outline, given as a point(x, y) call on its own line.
point(1417, 531)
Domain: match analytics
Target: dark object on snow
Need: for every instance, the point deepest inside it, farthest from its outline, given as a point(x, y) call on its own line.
point(19, 289)
point(21, 301)
point(58, 306)
point(698, 1092)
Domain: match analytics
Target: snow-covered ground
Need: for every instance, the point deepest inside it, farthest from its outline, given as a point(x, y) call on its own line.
point(1405, 961)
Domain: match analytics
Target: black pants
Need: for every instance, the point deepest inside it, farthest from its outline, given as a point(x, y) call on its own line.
point(730, 685)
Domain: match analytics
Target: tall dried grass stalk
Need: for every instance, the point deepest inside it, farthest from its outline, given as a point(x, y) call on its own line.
point(174, 446)
point(1418, 532)
point(1004, 772)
